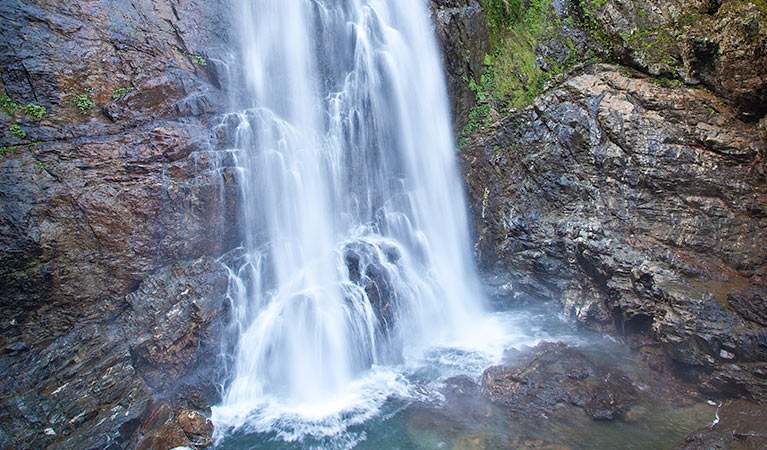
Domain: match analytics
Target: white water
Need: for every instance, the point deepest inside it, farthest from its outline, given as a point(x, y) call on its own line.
point(358, 256)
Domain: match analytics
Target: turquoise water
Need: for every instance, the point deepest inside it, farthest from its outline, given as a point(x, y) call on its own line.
point(423, 419)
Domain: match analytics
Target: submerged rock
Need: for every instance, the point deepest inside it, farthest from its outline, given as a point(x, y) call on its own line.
point(736, 425)
point(535, 381)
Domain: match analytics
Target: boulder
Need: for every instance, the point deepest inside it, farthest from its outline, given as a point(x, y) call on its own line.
point(537, 380)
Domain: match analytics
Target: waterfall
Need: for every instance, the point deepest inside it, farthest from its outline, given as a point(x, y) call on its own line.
point(358, 255)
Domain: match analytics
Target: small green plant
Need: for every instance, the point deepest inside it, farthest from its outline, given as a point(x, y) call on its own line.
point(197, 59)
point(8, 105)
point(120, 93)
point(35, 111)
point(84, 101)
point(711, 110)
point(17, 131)
point(11, 108)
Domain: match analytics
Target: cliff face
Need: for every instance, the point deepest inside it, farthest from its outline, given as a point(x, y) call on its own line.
point(461, 29)
point(636, 195)
point(110, 197)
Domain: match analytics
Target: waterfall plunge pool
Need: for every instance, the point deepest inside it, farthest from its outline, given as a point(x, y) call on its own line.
point(405, 407)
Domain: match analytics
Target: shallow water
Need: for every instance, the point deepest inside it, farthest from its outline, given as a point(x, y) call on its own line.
point(416, 416)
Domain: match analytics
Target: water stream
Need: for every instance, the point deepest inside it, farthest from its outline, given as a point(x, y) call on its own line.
point(358, 259)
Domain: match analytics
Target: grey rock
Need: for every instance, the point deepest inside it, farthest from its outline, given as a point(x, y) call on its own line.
point(461, 28)
point(537, 380)
point(602, 195)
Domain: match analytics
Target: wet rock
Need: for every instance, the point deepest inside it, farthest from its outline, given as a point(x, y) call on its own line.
point(461, 28)
point(550, 374)
point(750, 303)
point(720, 44)
point(99, 380)
point(726, 51)
point(192, 422)
point(602, 196)
point(168, 436)
point(740, 425)
point(370, 267)
point(104, 212)
point(184, 301)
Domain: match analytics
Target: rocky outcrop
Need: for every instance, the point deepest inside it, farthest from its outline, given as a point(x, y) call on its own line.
point(461, 29)
point(98, 383)
point(640, 208)
point(634, 196)
point(720, 44)
point(109, 193)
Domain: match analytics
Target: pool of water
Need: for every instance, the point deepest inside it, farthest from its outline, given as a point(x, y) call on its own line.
point(416, 415)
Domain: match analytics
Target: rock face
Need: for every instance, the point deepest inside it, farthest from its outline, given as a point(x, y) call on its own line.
point(638, 202)
point(96, 384)
point(720, 44)
point(637, 207)
point(461, 29)
point(109, 200)
point(633, 196)
point(538, 380)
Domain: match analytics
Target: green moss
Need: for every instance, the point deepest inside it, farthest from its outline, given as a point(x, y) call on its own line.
point(515, 77)
point(512, 76)
point(502, 15)
point(590, 23)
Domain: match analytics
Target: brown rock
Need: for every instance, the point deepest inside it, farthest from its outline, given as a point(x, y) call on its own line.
point(99, 212)
point(192, 422)
point(750, 303)
point(169, 436)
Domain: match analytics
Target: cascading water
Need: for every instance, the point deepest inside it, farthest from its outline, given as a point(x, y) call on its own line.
point(357, 249)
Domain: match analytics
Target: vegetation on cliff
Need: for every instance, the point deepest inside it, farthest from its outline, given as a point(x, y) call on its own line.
point(715, 45)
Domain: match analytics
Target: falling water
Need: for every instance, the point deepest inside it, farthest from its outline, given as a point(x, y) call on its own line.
point(358, 253)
